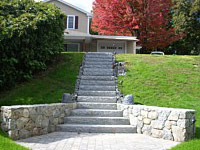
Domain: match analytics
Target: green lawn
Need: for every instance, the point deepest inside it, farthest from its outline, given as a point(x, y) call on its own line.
point(167, 81)
point(47, 87)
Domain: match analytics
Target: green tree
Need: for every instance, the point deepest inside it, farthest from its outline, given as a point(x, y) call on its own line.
point(31, 36)
point(186, 19)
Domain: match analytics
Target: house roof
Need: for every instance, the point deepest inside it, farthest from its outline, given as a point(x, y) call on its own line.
point(77, 35)
point(128, 38)
point(70, 5)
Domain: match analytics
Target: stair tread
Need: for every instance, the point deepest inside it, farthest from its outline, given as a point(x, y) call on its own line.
point(96, 110)
point(95, 125)
point(97, 117)
point(109, 97)
point(96, 103)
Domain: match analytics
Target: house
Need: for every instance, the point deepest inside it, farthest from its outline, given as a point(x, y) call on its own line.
point(77, 36)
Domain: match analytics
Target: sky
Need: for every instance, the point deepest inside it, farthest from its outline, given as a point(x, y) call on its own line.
point(84, 4)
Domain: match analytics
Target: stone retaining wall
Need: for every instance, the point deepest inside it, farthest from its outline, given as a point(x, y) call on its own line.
point(25, 121)
point(167, 123)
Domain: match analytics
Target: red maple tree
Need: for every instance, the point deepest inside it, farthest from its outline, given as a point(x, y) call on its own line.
point(125, 17)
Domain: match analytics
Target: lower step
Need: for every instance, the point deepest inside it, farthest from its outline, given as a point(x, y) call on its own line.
point(96, 128)
point(97, 112)
point(96, 93)
point(97, 99)
point(98, 73)
point(97, 88)
point(97, 120)
point(98, 78)
point(92, 105)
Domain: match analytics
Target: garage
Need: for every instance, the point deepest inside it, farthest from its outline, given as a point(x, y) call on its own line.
point(111, 46)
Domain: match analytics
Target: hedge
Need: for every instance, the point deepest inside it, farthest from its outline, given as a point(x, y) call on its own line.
point(31, 35)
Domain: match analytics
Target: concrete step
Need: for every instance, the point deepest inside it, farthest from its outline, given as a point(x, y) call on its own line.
point(97, 99)
point(98, 63)
point(96, 128)
point(97, 112)
point(98, 60)
point(93, 82)
point(98, 73)
point(97, 120)
point(96, 88)
point(99, 66)
point(96, 93)
point(97, 78)
point(92, 105)
point(99, 56)
point(97, 70)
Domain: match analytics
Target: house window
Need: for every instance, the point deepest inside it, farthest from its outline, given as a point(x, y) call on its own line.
point(72, 22)
point(72, 47)
point(102, 47)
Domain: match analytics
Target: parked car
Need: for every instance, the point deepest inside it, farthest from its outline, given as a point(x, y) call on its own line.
point(157, 53)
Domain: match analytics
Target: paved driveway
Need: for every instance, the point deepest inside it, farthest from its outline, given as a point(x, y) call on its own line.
point(95, 141)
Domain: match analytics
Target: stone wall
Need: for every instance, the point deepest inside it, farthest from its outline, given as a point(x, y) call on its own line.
point(167, 123)
point(25, 121)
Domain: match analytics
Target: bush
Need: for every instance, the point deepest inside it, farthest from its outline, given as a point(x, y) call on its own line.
point(31, 35)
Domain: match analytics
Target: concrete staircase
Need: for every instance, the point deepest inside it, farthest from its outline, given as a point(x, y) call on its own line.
point(96, 102)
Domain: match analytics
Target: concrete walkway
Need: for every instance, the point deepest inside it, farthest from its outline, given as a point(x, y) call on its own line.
point(96, 141)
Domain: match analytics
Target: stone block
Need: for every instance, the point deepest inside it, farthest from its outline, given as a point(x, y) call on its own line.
point(168, 124)
point(36, 131)
point(183, 123)
point(163, 114)
point(152, 115)
point(140, 118)
point(146, 129)
point(13, 134)
point(174, 115)
point(156, 124)
point(147, 121)
point(26, 113)
point(144, 113)
point(23, 134)
point(133, 120)
point(167, 134)
point(157, 133)
point(179, 134)
point(21, 122)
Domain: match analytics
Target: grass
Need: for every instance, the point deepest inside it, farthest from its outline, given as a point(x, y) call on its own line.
point(45, 88)
point(166, 81)
point(8, 144)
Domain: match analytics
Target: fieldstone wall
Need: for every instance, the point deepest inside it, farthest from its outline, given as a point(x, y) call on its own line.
point(167, 123)
point(25, 121)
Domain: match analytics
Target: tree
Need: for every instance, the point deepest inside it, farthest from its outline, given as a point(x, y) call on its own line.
point(149, 18)
point(31, 36)
point(186, 18)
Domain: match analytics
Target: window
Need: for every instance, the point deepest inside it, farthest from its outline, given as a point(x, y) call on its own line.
point(72, 22)
point(102, 47)
point(72, 47)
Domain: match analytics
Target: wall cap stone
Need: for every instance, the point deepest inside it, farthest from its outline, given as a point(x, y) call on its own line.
point(157, 107)
point(36, 105)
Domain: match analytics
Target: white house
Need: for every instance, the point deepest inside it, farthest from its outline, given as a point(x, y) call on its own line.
point(77, 36)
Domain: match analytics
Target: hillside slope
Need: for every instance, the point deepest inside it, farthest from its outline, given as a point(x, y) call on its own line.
point(167, 81)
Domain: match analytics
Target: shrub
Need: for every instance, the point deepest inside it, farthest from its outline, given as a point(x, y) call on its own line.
point(31, 35)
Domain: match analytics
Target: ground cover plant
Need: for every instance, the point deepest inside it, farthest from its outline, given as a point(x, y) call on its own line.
point(166, 81)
